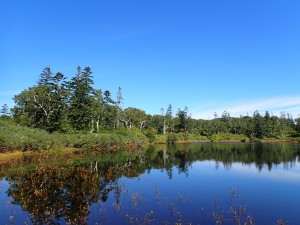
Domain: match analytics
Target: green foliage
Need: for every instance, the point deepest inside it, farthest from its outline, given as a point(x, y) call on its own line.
point(160, 139)
point(297, 126)
point(184, 120)
point(172, 137)
point(257, 132)
point(156, 122)
point(42, 106)
point(106, 140)
point(151, 134)
point(229, 137)
point(195, 137)
point(13, 137)
point(80, 114)
point(23, 138)
point(133, 117)
point(132, 135)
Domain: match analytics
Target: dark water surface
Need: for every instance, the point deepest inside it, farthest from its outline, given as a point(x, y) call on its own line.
point(197, 183)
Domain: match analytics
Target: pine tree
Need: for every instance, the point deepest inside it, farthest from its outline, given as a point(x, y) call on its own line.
point(80, 111)
point(183, 118)
point(45, 77)
point(59, 95)
point(257, 120)
point(5, 110)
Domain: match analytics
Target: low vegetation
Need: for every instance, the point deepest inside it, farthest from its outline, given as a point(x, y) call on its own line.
point(15, 137)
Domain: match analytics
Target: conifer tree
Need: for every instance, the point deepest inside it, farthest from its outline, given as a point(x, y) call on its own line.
point(4, 110)
point(80, 113)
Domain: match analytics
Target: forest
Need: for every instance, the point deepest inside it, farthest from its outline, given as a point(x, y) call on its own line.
point(57, 105)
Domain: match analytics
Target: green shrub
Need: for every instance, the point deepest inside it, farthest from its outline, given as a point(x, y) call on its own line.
point(160, 139)
point(171, 137)
point(151, 134)
point(229, 137)
point(23, 138)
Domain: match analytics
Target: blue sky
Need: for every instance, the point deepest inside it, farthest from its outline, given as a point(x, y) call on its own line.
point(208, 55)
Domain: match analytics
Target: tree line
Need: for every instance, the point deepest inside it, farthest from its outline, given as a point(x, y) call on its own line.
point(58, 104)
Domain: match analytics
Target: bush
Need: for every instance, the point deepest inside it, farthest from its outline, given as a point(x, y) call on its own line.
point(171, 137)
point(151, 134)
point(229, 137)
point(160, 139)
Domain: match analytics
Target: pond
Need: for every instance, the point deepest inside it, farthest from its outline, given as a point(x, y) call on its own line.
point(195, 183)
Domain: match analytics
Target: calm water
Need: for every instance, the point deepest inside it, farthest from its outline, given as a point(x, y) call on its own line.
point(167, 184)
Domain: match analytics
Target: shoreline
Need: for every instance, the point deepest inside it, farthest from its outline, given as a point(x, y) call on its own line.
point(16, 155)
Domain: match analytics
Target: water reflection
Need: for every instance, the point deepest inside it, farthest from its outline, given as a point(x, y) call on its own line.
point(226, 154)
point(65, 194)
point(52, 194)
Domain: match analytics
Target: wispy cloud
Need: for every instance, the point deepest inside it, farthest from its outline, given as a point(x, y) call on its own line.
point(273, 105)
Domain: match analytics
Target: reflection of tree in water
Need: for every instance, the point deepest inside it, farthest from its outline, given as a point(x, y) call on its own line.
point(183, 163)
point(52, 194)
point(183, 155)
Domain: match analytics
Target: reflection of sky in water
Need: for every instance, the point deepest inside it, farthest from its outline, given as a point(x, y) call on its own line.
point(278, 172)
point(9, 213)
point(268, 194)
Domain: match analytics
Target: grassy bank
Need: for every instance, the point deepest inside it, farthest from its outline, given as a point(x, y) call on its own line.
point(18, 138)
point(194, 137)
point(14, 137)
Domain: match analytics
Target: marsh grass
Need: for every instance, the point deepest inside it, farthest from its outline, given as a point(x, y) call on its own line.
point(233, 214)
